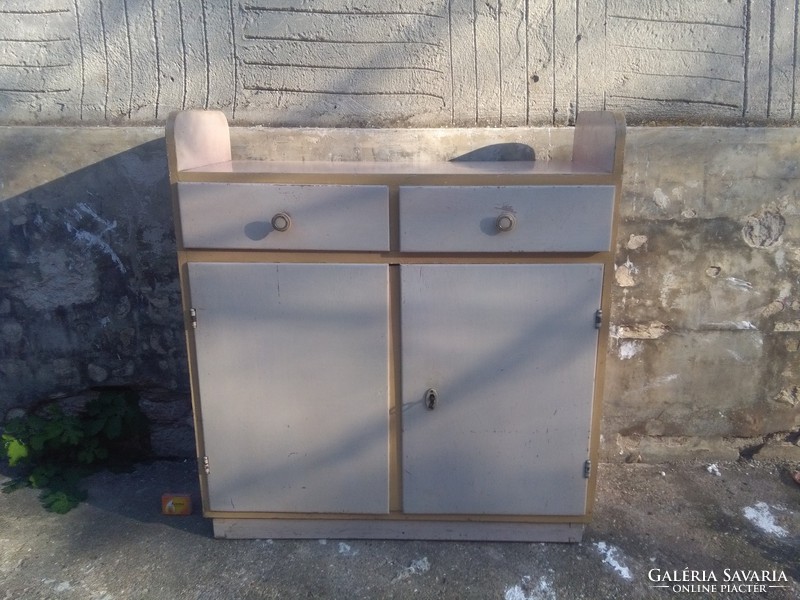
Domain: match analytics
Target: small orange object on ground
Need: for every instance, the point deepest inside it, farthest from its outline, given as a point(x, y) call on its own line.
point(176, 504)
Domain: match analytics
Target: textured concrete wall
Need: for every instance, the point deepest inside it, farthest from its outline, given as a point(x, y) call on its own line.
point(400, 63)
point(706, 320)
point(706, 304)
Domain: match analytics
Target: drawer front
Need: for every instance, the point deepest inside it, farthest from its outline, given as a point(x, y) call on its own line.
point(506, 219)
point(284, 217)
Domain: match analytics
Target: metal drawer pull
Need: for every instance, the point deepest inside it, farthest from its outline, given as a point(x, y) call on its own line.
point(505, 222)
point(281, 221)
point(431, 396)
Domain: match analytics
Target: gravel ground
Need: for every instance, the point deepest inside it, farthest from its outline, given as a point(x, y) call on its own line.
point(689, 520)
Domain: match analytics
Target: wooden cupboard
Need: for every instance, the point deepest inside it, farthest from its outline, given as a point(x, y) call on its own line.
point(389, 350)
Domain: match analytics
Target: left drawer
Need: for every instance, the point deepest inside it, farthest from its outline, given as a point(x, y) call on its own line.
point(264, 216)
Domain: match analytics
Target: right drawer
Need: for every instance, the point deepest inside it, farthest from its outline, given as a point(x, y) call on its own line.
point(571, 218)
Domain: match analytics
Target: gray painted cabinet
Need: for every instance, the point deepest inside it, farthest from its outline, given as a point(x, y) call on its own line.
point(389, 350)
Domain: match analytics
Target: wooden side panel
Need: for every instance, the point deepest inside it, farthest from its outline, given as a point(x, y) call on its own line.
point(511, 352)
point(292, 364)
point(546, 218)
point(323, 217)
point(196, 138)
point(599, 139)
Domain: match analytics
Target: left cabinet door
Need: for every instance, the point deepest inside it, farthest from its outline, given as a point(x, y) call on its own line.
point(292, 372)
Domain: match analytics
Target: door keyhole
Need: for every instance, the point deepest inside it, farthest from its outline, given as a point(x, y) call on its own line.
point(431, 396)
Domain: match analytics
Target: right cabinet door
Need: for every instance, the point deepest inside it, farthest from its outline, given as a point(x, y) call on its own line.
point(506, 355)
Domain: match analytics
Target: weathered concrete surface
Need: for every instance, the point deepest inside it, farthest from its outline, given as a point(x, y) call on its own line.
point(705, 321)
point(649, 519)
point(388, 63)
point(708, 286)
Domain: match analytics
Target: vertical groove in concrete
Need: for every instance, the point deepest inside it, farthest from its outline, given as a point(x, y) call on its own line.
point(792, 102)
point(104, 37)
point(565, 47)
point(782, 59)
point(157, 50)
point(184, 54)
point(758, 55)
point(206, 55)
point(235, 62)
point(82, 63)
point(144, 53)
point(512, 32)
point(130, 57)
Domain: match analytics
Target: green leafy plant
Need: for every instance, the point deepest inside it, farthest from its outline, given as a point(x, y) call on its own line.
point(54, 451)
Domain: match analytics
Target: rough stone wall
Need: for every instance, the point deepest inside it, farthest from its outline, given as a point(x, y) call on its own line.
point(706, 304)
point(401, 63)
point(89, 295)
point(706, 321)
point(706, 314)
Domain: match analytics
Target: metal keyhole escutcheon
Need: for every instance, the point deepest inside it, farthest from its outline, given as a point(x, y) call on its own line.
point(431, 396)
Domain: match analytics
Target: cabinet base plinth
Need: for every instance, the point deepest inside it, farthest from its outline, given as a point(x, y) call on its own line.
point(397, 530)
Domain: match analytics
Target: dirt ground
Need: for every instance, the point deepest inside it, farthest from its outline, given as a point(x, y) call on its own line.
point(726, 524)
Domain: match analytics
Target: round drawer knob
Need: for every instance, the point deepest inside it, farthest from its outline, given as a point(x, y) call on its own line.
point(505, 222)
point(281, 222)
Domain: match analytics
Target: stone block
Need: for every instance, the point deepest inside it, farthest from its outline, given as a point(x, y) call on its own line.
point(784, 452)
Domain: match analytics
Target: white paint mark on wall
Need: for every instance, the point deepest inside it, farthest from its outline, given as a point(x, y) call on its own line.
point(88, 210)
point(624, 273)
point(740, 284)
point(527, 590)
point(628, 349)
point(613, 558)
point(761, 516)
point(736, 356)
point(640, 331)
point(660, 198)
point(728, 325)
point(669, 283)
point(93, 241)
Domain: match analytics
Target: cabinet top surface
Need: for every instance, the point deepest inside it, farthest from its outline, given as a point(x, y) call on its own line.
point(503, 171)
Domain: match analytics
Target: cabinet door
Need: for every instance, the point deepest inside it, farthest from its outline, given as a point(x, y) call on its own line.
point(292, 364)
point(511, 352)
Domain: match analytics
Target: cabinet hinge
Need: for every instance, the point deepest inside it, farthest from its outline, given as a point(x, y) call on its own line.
point(598, 318)
point(193, 317)
point(587, 469)
point(206, 467)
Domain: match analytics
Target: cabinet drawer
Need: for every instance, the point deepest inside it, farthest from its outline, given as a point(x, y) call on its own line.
point(253, 216)
point(506, 219)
